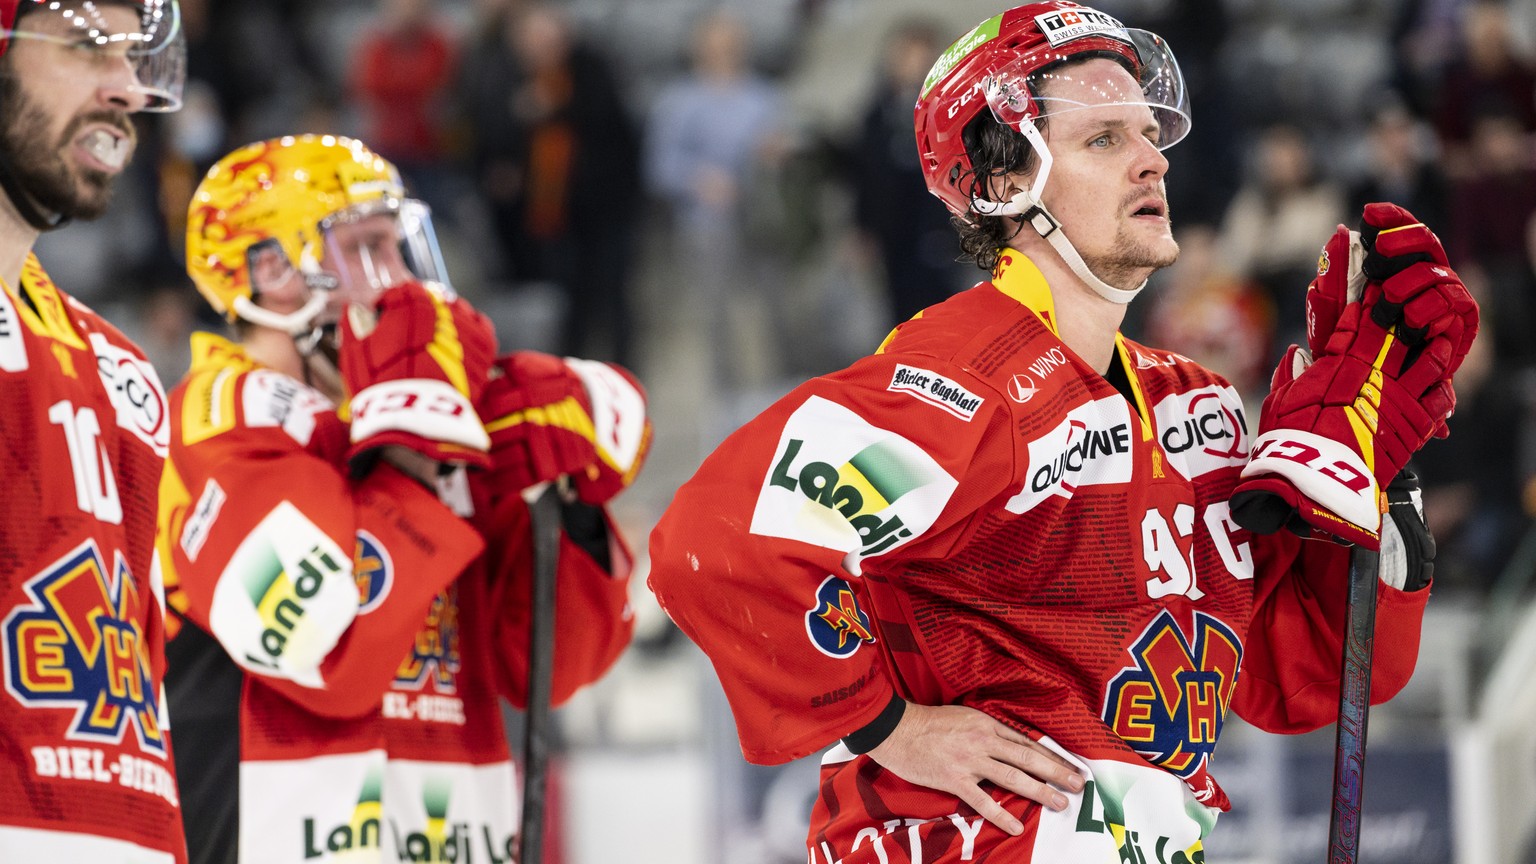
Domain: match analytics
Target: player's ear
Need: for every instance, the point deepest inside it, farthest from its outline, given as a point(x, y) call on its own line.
point(1004, 187)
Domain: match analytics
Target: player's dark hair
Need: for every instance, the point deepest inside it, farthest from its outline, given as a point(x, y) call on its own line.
point(995, 151)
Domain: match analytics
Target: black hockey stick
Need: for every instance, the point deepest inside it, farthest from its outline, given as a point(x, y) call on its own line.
point(1354, 708)
point(544, 517)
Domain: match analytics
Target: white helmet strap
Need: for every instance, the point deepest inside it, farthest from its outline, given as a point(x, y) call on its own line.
point(1029, 206)
point(292, 323)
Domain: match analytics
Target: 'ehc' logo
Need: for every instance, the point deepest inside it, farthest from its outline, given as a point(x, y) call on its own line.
point(1170, 706)
point(80, 643)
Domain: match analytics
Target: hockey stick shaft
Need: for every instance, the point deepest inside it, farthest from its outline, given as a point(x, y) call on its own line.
point(544, 517)
point(1354, 708)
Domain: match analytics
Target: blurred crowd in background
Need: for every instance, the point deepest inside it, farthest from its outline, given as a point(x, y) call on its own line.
point(726, 197)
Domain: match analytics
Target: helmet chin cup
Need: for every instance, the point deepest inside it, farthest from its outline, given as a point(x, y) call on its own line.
point(292, 323)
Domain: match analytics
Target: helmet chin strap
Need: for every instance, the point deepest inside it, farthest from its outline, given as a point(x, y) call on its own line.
point(1028, 206)
point(293, 323)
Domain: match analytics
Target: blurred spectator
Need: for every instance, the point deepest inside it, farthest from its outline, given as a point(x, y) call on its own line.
point(401, 74)
point(1473, 480)
point(1220, 320)
point(1490, 210)
point(710, 136)
point(1198, 29)
point(1487, 78)
point(557, 153)
point(897, 221)
point(1424, 36)
point(1401, 168)
point(1277, 223)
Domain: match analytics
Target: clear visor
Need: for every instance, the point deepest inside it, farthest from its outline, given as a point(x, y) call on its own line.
point(372, 247)
point(139, 47)
point(1016, 94)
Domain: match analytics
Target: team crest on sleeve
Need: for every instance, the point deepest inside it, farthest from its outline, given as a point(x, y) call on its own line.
point(836, 624)
point(79, 644)
point(374, 571)
point(840, 483)
point(936, 390)
point(1171, 704)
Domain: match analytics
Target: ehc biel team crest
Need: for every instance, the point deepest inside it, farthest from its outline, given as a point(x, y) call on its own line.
point(1170, 706)
point(79, 643)
point(837, 626)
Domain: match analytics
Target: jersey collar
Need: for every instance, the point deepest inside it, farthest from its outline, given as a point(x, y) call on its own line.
point(41, 305)
point(1018, 277)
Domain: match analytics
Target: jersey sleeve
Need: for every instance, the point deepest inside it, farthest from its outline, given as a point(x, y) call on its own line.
point(312, 582)
point(1290, 676)
point(759, 557)
point(593, 618)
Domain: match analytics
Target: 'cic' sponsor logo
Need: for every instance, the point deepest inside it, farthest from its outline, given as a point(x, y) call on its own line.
point(1203, 430)
point(79, 644)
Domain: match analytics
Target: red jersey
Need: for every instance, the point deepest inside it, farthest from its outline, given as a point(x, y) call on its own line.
point(976, 516)
point(348, 636)
point(86, 772)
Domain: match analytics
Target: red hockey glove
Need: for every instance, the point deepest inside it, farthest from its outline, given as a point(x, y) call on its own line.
point(1420, 292)
point(414, 367)
point(1340, 281)
point(549, 417)
point(1333, 435)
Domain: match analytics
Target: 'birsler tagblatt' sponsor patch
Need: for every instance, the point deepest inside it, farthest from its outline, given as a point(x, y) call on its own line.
point(936, 390)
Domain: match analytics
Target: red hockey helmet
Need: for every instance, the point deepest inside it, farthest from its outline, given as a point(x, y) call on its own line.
point(1003, 64)
point(156, 49)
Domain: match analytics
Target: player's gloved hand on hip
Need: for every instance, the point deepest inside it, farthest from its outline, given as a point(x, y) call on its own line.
point(1334, 432)
point(414, 366)
point(549, 417)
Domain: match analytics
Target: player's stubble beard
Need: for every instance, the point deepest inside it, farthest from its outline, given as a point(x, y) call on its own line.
point(50, 181)
point(1128, 264)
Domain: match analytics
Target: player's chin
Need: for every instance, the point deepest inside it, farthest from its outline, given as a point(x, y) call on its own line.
point(93, 194)
point(1156, 251)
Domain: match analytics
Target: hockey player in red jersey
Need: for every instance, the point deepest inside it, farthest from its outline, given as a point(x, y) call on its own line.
point(1002, 559)
point(85, 772)
point(347, 553)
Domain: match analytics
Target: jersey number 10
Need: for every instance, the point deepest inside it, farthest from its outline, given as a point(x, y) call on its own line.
point(95, 490)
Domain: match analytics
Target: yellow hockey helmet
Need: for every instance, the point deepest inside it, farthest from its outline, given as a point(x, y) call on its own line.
point(295, 193)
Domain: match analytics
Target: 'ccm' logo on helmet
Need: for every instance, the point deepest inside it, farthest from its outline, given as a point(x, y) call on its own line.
point(1068, 24)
